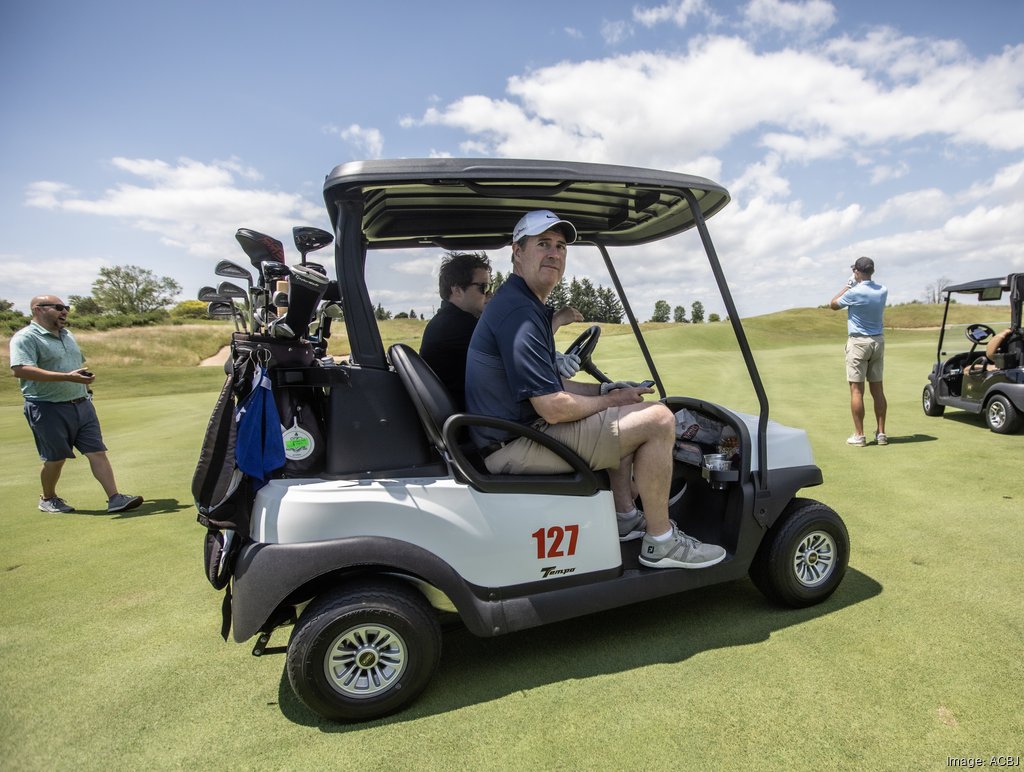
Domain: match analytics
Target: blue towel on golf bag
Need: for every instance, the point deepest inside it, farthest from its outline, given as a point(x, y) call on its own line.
point(259, 448)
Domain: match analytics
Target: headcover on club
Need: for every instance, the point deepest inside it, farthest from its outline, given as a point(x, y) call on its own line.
point(259, 246)
point(304, 292)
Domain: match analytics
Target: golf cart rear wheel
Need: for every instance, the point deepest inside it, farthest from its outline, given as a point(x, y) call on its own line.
point(364, 651)
point(1001, 416)
point(803, 556)
point(929, 403)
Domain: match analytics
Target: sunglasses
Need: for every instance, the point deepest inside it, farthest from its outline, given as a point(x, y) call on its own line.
point(484, 287)
point(58, 306)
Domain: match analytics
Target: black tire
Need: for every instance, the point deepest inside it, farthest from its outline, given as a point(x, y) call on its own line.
point(1001, 416)
point(803, 556)
point(384, 641)
point(929, 404)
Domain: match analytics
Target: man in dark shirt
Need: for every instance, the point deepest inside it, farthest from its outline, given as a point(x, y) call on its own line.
point(511, 373)
point(465, 287)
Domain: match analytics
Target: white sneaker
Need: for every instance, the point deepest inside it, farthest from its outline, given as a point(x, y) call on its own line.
point(679, 551)
point(858, 440)
point(881, 439)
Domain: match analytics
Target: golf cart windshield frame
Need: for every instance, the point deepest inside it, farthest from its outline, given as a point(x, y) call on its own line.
point(473, 204)
point(984, 291)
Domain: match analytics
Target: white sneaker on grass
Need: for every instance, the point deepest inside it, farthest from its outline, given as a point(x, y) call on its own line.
point(859, 440)
point(121, 503)
point(55, 505)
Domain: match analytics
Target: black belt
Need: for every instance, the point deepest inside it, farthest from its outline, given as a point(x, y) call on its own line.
point(76, 401)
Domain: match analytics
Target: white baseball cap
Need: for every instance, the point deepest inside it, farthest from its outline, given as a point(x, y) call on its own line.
point(536, 222)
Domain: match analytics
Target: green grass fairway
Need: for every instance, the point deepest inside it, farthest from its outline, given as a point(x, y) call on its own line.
point(110, 654)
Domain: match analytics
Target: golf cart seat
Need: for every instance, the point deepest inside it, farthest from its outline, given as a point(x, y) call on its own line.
point(446, 429)
point(1000, 352)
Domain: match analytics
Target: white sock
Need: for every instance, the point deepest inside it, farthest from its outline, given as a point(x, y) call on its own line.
point(664, 537)
point(626, 515)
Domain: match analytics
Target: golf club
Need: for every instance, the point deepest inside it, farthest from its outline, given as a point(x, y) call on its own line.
point(233, 292)
point(219, 309)
point(309, 239)
point(306, 288)
point(233, 270)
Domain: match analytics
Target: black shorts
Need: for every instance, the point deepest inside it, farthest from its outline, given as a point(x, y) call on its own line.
point(60, 426)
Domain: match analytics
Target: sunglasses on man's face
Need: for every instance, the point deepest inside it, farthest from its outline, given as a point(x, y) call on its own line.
point(484, 287)
point(58, 306)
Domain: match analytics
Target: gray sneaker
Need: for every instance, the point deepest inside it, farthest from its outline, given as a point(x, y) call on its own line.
point(679, 551)
point(56, 505)
point(632, 527)
point(121, 503)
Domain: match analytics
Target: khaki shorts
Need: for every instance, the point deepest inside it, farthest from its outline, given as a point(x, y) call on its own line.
point(595, 439)
point(864, 355)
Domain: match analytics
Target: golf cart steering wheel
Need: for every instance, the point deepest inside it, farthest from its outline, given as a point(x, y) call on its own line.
point(583, 347)
point(979, 333)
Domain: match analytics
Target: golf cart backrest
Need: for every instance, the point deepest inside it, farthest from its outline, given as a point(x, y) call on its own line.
point(446, 428)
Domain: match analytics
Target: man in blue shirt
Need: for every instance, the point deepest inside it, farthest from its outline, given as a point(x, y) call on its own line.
point(58, 405)
point(864, 300)
point(511, 373)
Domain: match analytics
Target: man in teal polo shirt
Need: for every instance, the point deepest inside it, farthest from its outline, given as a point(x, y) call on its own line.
point(48, 364)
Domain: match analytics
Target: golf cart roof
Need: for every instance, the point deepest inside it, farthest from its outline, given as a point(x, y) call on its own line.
point(474, 203)
point(985, 289)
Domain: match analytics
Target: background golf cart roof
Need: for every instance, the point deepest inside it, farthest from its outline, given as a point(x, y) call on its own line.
point(459, 203)
point(985, 289)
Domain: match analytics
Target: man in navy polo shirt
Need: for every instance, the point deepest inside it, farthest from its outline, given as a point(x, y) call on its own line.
point(511, 373)
point(48, 363)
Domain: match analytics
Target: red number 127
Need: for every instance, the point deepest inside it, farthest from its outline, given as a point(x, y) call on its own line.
point(549, 541)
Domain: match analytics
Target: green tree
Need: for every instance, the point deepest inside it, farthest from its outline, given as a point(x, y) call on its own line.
point(583, 297)
point(186, 309)
point(380, 314)
point(129, 289)
point(697, 312)
point(86, 305)
point(662, 311)
point(6, 305)
point(679, 315)
point(559, 297)
point(412, 314)
point(714, 318)
point(497, 281)
point(609, 309)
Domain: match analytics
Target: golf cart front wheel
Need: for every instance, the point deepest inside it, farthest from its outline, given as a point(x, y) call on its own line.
point(1001, 416)
point(929, 403)
point(803, 556)
point(363, 652)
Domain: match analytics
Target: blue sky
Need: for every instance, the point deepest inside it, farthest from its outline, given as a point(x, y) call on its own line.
point(147, 133)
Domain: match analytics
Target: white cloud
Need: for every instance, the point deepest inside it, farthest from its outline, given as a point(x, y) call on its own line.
point(678, 13)
point(614, 32)
point(369, 141)
point(885, 172)
point(188, 204)
point(810, 17)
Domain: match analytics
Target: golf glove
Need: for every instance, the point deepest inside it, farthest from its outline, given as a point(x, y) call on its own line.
point(568, 364)
point(606, 387)
point(852, 281)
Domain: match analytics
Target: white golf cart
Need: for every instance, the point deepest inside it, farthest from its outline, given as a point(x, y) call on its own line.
point(988, 378)
point(401, 526)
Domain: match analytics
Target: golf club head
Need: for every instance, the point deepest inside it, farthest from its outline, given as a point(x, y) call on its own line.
point(279, 329)
point(309, 239)
point(316, 267)
point(263, 318)
point(232, 270)
point(305, 290)
point(280, 300)
point(272, 271)
point(328, 313)
point(220, 309)
point(259, 246)
point(209, 295)
point(229, 290)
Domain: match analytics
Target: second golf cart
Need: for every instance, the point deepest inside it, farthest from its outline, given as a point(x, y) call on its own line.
point(400, 526)
point(988, 378)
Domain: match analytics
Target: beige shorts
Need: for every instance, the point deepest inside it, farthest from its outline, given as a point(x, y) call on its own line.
point(595, 439)
point(864, 355)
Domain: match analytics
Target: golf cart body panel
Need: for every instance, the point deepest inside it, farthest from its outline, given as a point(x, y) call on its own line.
point(979, 380)
point(402, 512)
